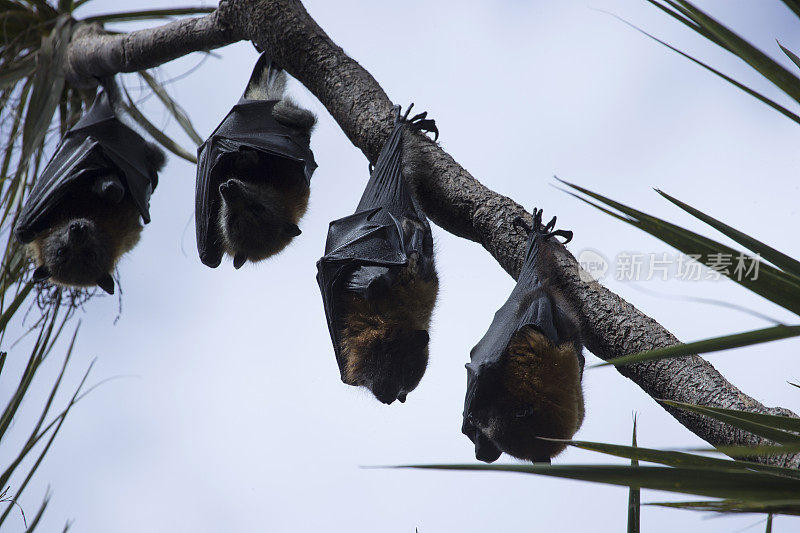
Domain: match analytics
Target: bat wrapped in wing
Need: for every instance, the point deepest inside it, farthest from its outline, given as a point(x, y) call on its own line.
point(253, 173)
point(83, 211)
point(524, 375)
point(379, 281)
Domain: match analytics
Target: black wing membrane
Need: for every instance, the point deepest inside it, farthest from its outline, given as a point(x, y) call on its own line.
point(248, 126)
point(374, 244)
point(530, 305)
point(98, 144)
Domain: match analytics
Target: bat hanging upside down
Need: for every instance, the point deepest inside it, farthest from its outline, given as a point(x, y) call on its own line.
point(84, 210)
point(524, 376)
point(385, 337)
point(90, 229)
point(253, 173)
point(379, 281)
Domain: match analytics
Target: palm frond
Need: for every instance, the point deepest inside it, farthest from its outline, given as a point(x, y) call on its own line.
point(634, 494)
point(772, 283)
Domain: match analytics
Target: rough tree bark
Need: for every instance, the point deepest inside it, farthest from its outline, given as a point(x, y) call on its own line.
point(449, 195)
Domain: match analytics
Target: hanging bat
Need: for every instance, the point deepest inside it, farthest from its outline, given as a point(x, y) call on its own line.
point(83, 212)
point(524, 376)
point(379, 281)
point(253, 174)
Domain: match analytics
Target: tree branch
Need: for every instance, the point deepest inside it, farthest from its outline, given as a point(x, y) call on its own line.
point(95, 54)
point(449, 195)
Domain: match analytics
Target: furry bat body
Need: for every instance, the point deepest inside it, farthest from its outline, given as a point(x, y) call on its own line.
point(84, 210)
point(524, 376)
point(379, 281)
point(253, 174)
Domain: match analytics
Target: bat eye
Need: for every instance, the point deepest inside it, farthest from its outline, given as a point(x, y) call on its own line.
point(61, 252)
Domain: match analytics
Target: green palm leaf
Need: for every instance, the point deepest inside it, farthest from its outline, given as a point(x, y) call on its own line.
point(155, 132)
point(696, 19)
point(10, 75)
point(779, 259)
point(48, 83)
point(634, 494)
point(176, 110)
point(791, 55)
point(776, 428)
point(715, 344)
point(680, 459)
point(788, 506)
point(149, 14)
point(794, 5)
point(772, 283)
point(701, 481)
point(772, 103)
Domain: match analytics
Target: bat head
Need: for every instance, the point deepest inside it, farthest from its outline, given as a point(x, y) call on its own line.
point(254, 219)
point(391, 365)
point(76, 252)
point(534, 391)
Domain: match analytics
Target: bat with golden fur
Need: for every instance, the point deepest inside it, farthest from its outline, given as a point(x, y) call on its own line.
point(524, 375)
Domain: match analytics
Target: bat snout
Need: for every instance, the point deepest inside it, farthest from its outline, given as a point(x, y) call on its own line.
point(485, 450)
point(79, 232)
point(387, 394)
point(385, 397)
point(78, 227)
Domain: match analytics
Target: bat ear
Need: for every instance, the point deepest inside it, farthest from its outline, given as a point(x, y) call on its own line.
point(106, 282)
point(41, 273)
point(291, 229)
point(239, 259)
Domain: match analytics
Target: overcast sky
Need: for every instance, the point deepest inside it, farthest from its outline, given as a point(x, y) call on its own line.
point(236, 420)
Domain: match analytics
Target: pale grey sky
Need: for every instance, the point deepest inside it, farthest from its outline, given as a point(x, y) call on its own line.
point(237, 420)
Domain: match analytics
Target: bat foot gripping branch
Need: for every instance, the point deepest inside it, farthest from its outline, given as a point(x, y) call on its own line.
point(547, 230)
point(419, 121)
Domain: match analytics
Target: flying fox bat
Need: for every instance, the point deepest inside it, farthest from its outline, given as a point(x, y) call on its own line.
point(379, 281)
point(253, 173)
point(83, 211)
point(524, 375)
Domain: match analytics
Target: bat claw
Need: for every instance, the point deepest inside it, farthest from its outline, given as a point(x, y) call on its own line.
point(560, 233)
point(420, 121)
point(537, 218)
point(520, 222)
point(547, 230)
